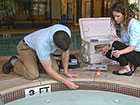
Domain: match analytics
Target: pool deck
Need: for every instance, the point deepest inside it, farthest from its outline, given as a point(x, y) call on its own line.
point(11, 82)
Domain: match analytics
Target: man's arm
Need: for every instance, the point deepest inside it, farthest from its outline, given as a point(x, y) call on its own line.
point(48, 68)
point(65, 60)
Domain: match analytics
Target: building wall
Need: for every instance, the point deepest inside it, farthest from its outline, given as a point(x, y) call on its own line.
point(56, 9)
point(138, 4)
point(98, 8)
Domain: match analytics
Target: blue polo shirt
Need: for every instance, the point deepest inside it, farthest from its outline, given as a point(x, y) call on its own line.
point(132, 36)
point(42, 40)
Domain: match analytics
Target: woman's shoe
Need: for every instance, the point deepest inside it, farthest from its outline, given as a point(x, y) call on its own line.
point(129, 73)
point(133, 67)
point(123, 72)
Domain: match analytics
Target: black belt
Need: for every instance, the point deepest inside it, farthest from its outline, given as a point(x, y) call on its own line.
point(25, 42)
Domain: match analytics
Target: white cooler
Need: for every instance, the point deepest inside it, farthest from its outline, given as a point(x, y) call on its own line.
point(94, 32)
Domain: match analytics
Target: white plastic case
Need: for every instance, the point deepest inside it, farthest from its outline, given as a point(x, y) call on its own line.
point(96, 31)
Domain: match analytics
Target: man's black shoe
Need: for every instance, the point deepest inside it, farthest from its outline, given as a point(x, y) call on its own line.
point(7, 67)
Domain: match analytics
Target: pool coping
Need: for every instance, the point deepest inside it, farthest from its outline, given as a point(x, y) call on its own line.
point(19, 91)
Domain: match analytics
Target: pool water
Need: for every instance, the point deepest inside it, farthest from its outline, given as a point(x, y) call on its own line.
point(78, 97)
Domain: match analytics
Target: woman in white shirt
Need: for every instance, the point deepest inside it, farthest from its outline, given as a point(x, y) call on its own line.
point(126, 51)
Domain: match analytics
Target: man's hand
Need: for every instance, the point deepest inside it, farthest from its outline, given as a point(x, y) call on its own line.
point(51, 72)
point(70, 75)
point(70, 84)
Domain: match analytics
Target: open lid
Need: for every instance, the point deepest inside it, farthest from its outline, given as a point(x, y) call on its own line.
point(97, 29)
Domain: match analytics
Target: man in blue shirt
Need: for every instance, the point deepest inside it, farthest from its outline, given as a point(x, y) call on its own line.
point(43, 43)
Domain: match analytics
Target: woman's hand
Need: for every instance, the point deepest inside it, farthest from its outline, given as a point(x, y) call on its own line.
point(116, 53)
point(104, 50)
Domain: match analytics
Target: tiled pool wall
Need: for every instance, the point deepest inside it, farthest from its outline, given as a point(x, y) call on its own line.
point(9, 41)
point(84, 85)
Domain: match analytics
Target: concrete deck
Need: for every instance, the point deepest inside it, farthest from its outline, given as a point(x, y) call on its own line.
point(11, 82)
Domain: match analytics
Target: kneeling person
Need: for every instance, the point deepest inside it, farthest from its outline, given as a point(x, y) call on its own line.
point(41, 44)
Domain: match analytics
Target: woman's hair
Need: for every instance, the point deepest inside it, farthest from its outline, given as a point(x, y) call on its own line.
point(62, 40)
point(125, 10)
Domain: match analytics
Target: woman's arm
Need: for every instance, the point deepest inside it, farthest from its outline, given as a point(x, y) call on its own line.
point(117, 53)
